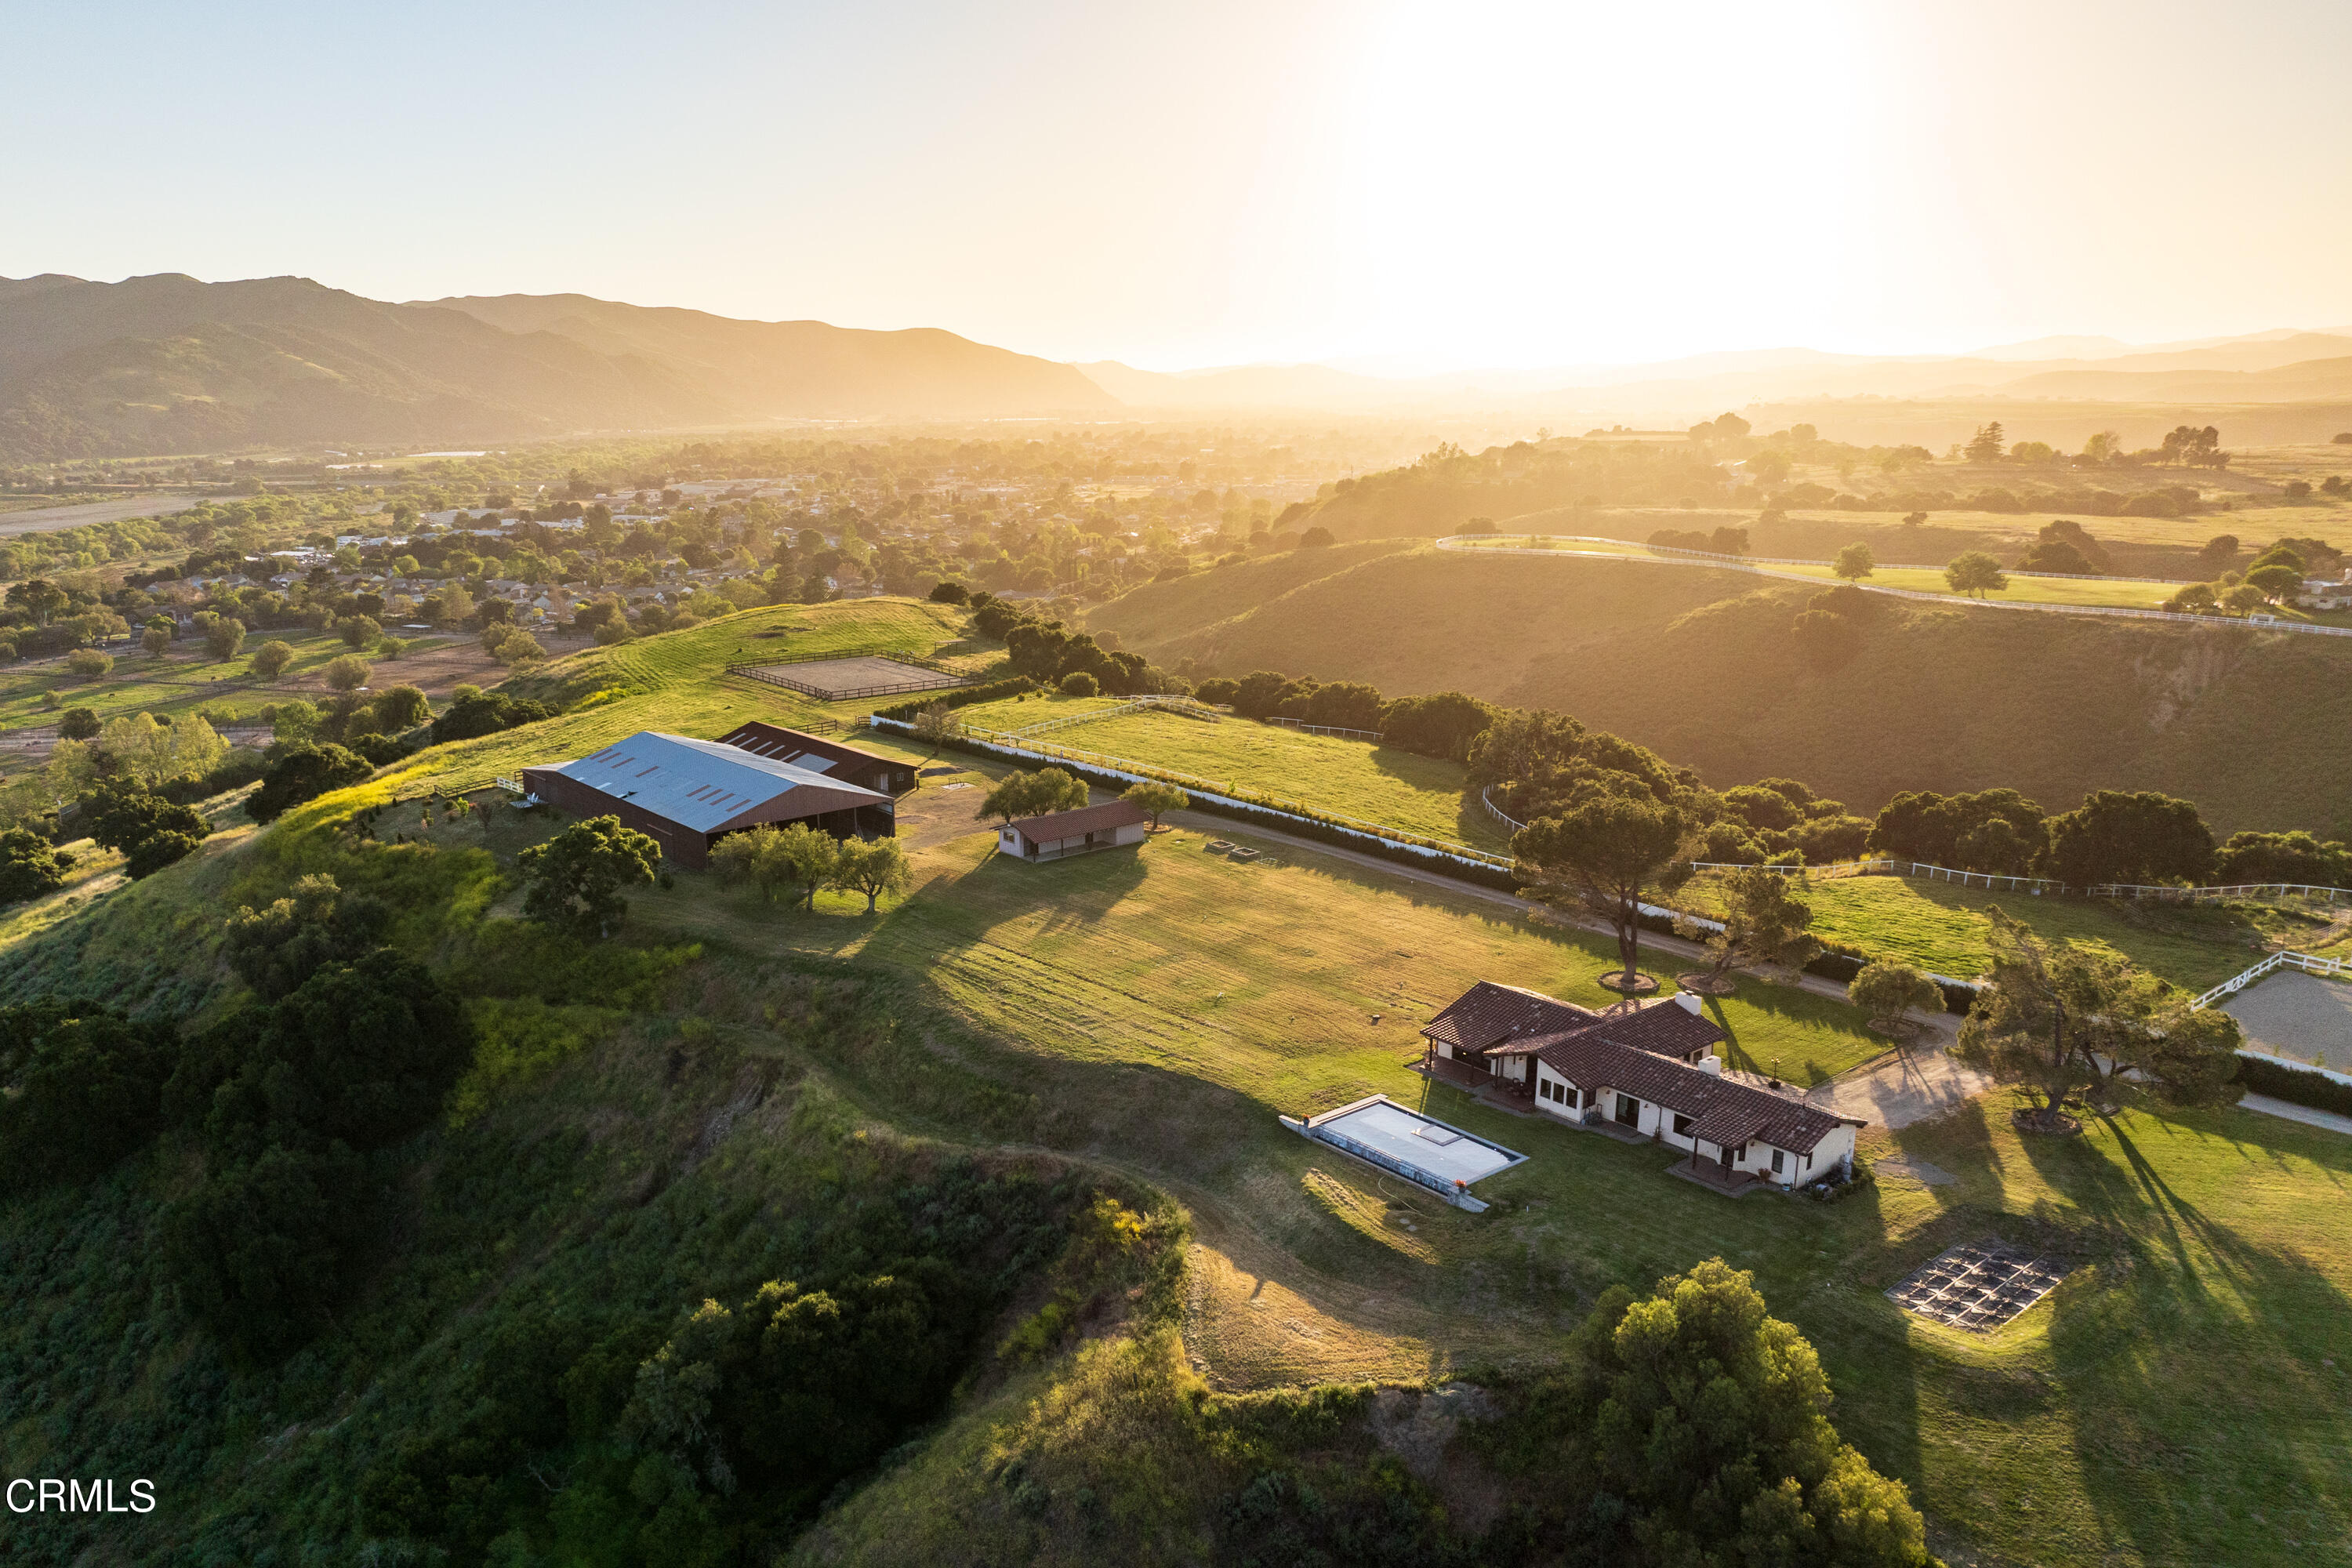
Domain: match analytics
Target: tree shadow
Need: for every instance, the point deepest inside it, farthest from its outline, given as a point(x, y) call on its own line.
point(2206, 1415)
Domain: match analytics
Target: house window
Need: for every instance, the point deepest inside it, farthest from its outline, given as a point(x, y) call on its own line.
point(1682, 1126)
point(1778, 1161)
point(1629, 1110)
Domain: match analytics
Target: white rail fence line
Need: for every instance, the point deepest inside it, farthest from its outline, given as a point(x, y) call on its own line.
point(1012, 745)
point(2275, 961)
point(1324, 729)
point(1486, 799)
point(1184, 705)
point(1989, 880)
point(2239, 890)
point(1746, 563)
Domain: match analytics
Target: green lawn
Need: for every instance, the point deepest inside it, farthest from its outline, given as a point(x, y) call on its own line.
point(1260, 977)
point(1378, 783)
point(1940, 927)
point(2171, 1404)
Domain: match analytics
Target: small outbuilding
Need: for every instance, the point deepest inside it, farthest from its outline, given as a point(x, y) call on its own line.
point(1066, 833)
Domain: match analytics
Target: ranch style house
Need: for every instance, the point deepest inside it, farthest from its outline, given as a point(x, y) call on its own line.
point(1646, 1070)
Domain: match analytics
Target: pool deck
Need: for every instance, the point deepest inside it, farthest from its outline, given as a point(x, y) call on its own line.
point(1402, 1141)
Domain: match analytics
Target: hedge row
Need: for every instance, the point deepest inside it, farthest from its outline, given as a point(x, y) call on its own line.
point(1282, 820)
point(2296, 1085)
point(961, 696)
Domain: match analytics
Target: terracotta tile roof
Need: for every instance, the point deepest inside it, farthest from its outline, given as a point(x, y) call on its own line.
point(1507, 1021)
point(1722, 1110)
point(1066, 824)
point(1488, 1015)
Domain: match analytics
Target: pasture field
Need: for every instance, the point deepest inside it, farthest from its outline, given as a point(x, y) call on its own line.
point(187, 679)
point(1700, 665)
point(1940, 926)
point(1352, 778)
point(2090, 590)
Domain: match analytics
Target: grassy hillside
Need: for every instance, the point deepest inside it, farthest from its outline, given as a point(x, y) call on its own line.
point(1352, 778)
point(735, 1090)
point(1701, 666)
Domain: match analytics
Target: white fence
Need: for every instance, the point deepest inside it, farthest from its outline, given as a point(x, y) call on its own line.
point(2198, 895)
point(1184, 705)
point(2275, 961)
point(2033, 885)
point(1468, 544)
point(1486, 799)
point(1373, 735)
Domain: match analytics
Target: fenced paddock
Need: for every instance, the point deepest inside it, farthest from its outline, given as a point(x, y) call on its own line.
point(855, 678)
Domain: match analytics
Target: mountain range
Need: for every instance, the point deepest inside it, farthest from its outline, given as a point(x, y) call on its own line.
point(168, 364)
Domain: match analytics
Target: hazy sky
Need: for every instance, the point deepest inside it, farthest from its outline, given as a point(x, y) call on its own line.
point(1221, 182)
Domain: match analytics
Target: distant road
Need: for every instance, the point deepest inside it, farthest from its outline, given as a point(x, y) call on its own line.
point(41, 519)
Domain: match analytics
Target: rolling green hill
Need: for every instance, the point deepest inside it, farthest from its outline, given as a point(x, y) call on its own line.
point(1701, 666)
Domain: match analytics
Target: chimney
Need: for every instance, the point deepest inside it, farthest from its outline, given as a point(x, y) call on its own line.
point(1711, 1063)
point(1689, 1002)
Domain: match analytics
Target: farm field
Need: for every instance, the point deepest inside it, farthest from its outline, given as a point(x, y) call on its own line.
point(185, 680)
point(1939, 926)
point(1352, 778)
point(2094, 592)
point(1700, 665)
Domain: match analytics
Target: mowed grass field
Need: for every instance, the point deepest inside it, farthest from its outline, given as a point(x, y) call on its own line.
point(2171, 1403)
point(1940, 926)
point(1361, 779)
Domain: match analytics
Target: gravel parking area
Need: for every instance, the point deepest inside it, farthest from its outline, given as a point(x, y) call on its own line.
point(2300, 1016)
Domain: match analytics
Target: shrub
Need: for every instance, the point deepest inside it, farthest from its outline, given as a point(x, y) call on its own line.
point(950, 593)
point(270, 660)
point(89, 663)
point(30, 866)
point(2296, 1085)
point(78, 724)
point(303, 773)
point(348, 673)
point(476, 713)
point(88, 1089)
point(157, 851)
point(1078, 683)
point(398, 708)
